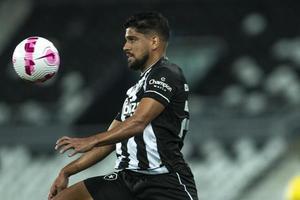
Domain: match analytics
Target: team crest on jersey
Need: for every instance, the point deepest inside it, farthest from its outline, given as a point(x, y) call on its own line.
point(111, 177)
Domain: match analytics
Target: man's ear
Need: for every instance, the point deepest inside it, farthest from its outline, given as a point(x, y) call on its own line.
point(155, 42)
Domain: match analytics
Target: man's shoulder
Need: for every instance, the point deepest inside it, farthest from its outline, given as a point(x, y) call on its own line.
point(169, 67)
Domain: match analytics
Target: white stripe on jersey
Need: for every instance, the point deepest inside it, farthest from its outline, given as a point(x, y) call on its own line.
point(184, 127)
point(132, 149)
point(151, 147)
point(184, 122)
point(186, 106)
point(118, 152)
point(118, 148)
point(152, 153)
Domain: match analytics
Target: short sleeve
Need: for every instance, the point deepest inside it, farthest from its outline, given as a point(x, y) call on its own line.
point(161, 85)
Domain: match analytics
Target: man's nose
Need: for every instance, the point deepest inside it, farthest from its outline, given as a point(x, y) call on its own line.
point(125, 47)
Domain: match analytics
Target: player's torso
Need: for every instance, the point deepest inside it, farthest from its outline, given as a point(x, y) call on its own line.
point(149, 150)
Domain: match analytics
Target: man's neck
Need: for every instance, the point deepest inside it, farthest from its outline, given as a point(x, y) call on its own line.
point(151, 62)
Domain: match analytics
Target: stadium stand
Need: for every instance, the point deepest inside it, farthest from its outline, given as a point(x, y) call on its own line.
point(215, 172)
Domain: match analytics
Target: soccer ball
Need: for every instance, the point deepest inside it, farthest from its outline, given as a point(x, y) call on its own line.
point(36, 59)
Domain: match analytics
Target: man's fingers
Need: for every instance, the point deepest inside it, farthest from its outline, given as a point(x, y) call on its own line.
point(52, 193)
point(50, 196)
point(62, 143)
point(73, 153)
point(65, 143)
point(66, 148)
point(62, 138)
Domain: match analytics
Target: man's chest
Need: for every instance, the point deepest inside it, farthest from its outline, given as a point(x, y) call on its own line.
point(133, 97)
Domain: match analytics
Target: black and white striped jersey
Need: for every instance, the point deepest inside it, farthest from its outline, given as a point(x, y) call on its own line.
point(157, 149)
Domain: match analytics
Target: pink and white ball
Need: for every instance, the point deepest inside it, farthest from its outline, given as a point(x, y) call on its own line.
point(36, 59)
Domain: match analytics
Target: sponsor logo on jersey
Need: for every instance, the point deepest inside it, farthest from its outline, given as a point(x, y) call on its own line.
point(129, 108)
point(160, 84)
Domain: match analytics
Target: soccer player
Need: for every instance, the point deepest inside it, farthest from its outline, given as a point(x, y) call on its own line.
point(147, 134)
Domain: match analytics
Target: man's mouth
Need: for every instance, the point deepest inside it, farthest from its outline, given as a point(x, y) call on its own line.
point(129, 55)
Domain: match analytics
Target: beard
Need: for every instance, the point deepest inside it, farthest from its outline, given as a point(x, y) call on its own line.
point(138, 64)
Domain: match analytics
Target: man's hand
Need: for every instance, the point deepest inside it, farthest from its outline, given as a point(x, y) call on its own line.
point(79, 145)
point(60, 183)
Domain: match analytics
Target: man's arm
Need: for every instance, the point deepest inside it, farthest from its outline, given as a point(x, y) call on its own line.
point(83, 162)
point(147, 110)
point(90, 158)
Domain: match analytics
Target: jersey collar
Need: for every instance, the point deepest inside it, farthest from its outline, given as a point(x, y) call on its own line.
point(152, 65)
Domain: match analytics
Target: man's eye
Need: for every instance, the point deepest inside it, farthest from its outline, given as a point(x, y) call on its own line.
point(133, 39)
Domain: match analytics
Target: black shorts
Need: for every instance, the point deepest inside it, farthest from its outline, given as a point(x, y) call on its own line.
point(129, 185)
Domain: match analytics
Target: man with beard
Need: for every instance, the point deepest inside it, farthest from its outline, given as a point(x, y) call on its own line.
point(147, 133)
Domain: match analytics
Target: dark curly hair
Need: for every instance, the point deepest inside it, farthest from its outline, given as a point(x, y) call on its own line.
point(147, 22)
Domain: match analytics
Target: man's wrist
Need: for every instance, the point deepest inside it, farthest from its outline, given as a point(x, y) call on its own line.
point(64, 173)
point(96, 140)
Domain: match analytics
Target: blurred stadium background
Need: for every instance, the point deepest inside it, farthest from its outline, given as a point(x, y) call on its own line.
point(241, 59)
